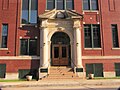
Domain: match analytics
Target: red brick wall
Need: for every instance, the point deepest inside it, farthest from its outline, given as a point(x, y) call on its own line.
point(108, 64)
point(107, 15)
point(12, 66)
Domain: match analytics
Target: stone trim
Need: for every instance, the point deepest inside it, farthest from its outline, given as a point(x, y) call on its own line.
point(11, 76)
point(109, 74)
point(19, 57)
point(100, 57)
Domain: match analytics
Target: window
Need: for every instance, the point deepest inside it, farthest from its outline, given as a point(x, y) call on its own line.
point(90, 4)
point(60, 4)
point(29, 11)
point(92, 36)
point(115, 36)
point(69, 4)
point(94, 68)
point(4, 35)
point(117, 69)
point(50, 4)
point(28, 47)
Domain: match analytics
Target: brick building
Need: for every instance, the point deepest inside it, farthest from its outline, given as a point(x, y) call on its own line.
point(38, 34)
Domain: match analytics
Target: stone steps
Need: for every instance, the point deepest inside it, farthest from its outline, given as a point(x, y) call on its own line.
point(61, 73)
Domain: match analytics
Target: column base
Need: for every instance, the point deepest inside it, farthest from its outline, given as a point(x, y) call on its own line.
point(79, 72)
point(43, 72)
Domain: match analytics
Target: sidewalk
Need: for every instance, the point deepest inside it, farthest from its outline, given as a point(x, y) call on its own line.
point(44, 83)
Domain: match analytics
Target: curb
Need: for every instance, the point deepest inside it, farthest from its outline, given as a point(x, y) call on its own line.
point(60, 85)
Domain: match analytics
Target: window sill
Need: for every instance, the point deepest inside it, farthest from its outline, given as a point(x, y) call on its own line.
point(115, 48)
point(31, 25)
point(58, 10)
point(28, 55)
point(93, 48)
point(97, 11)
point(3, 48)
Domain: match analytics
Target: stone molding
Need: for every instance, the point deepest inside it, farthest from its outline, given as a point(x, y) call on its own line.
point(19, 58)
point(100, 57)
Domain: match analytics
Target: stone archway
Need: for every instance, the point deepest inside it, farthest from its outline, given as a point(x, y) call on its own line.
point(60, 49)
point(70, 25)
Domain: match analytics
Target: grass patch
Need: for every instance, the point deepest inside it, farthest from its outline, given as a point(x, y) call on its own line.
point(96, 78)
point(17, 80)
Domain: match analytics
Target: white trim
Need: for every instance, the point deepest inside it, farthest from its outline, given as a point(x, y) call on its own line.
point(3, 48)
point(97, 11)
point(19, 57)
point(109, 74)
point(100, 57)
point(92, 48)
point(115, 48)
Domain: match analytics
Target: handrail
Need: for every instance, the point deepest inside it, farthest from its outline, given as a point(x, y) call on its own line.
point(73, 63)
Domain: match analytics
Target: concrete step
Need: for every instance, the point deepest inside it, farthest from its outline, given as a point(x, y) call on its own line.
point(61, 73)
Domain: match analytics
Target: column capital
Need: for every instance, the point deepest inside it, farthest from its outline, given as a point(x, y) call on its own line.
point(76, 27)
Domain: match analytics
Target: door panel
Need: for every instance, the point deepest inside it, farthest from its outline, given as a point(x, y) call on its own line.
point(59, 55)
point(55, 53)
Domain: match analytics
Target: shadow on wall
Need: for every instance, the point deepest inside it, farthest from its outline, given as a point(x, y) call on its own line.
point(33, 71)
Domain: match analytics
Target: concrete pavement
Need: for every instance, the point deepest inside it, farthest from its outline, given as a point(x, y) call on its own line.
point(58, 82)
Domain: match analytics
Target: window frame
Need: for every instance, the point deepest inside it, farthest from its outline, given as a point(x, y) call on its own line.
point(1, 45)
point(29, 12)
point(28, 47)
point(116, 36)
point(90, 6)
point(64, 5)
point(92, 46)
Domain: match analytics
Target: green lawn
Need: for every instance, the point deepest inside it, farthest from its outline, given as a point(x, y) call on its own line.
point(2, 80)
point(107, 78)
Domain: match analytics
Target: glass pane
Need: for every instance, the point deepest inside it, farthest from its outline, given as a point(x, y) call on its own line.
point(96, 36)
point(33, 12)
point(56, 52)
point(89, 69)
point(25, 4)
point(4, 35)
point(69, 4)
point(33, 16)
point(50, 4)
point(64, 52)
point(60, 38)
point(115, 36)
point(33, 47)
point(94, 4)
point(34, 4)
point(60, 4)
point(86, 4)
point(5, 30)
point(87, 36)
point(4, 42)
point(25, 17)
point(25, 8)
point(24, 47)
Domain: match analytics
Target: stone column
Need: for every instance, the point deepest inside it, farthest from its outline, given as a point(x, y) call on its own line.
point(77, 47)
point(43, 70)
point(43, 48)
point(78, 69)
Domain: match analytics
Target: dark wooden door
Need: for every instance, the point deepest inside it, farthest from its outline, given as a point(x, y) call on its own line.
point(60, 55)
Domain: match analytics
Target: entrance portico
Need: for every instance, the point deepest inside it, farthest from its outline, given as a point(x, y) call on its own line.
point(59, 53)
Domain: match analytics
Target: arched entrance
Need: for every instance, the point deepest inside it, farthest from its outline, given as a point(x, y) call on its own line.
point(60, 49)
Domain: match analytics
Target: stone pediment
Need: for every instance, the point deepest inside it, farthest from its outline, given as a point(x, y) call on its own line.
point(61, 14)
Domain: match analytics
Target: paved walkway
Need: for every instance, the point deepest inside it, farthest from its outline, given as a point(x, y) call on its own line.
point(44, 83)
